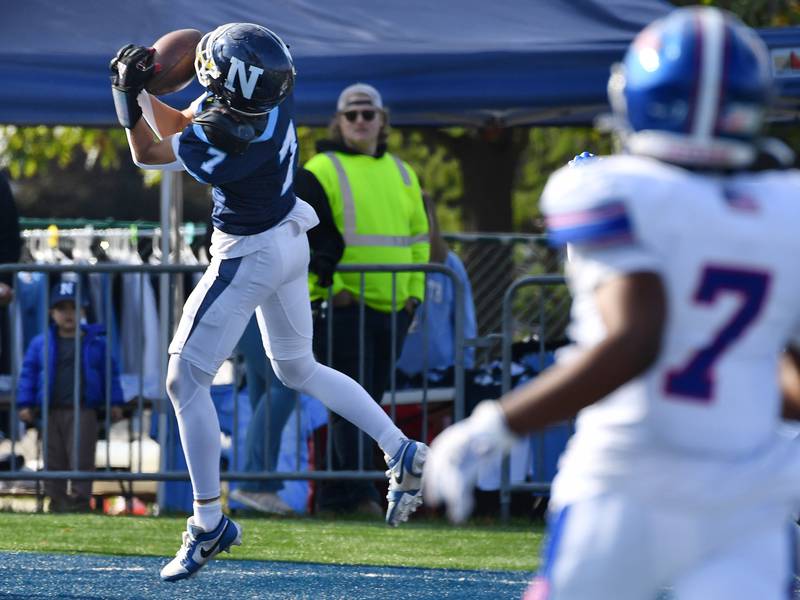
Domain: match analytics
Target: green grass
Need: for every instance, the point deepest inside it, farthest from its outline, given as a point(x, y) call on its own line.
point(424, 543)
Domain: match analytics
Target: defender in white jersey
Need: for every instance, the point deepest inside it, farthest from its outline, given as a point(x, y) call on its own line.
point(685, 287)
point(240, 138)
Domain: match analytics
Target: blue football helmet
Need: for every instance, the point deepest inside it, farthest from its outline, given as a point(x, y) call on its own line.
point(693, 89)
point(246, 66)
point(582, 159)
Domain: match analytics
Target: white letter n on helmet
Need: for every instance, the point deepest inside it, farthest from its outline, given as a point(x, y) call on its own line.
point(248, 82)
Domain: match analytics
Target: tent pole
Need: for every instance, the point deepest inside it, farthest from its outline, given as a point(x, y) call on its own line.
point(176, 244)
point(169, 193)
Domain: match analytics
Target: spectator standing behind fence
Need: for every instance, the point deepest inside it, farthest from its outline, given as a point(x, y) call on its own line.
point(267, 395)
point(61, 383)
point(371, 211)
point(430, 343)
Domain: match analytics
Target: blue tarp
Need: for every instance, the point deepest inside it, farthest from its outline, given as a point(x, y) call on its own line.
point(441, 62)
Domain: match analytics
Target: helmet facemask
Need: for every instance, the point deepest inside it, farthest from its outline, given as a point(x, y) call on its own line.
point(204, 64)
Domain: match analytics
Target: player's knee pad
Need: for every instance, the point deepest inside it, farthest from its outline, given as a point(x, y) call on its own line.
point(183, 381)
point(296, 372)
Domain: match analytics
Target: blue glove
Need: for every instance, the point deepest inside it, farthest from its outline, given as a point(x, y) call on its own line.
point(581, 159)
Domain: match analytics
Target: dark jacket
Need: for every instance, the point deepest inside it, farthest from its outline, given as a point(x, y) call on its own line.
point(325, 240)
point(9, 230)
point(31, 378)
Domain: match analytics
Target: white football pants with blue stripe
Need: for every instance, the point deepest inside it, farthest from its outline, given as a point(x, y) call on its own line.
point(273, 282)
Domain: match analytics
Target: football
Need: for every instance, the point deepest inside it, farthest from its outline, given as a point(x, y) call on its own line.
point(175, 52)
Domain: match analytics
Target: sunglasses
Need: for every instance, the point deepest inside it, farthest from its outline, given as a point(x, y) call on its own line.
point(352, 115)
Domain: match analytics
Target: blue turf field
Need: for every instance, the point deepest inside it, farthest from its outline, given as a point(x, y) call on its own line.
point(30, 576)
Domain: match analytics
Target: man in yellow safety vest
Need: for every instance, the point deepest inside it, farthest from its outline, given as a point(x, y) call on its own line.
point(371, 212)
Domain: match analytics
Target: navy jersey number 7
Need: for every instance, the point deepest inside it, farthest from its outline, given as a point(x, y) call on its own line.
point(253, 191)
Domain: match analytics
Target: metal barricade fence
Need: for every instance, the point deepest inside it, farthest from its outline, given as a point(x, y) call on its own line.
point(133, 471)
point(545, 309)
point(494, 261)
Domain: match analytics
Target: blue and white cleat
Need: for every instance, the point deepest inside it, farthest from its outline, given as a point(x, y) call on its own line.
point(200, 546)
point(405, 481)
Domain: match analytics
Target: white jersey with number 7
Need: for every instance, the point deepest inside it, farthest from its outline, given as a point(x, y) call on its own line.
point(727, 248)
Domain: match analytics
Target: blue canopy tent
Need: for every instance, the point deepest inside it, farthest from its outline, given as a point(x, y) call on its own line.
point(443, 62)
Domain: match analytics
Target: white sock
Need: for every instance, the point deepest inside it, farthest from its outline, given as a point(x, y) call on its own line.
point(208, 515)
point(343, 396)
point(189, 388)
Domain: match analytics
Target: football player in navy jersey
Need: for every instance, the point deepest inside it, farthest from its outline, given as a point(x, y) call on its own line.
point(240, 138)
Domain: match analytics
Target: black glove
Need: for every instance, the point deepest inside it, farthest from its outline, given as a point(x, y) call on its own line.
point(131, 69)
point(324, 268)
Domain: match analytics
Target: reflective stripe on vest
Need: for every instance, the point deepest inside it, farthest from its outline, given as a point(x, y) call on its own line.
point(351, 238)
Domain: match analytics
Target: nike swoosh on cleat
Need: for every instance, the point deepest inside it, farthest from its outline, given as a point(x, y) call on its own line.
point(206, 554)
point(402, 465)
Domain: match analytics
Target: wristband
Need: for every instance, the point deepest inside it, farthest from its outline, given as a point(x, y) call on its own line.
point(128, 110)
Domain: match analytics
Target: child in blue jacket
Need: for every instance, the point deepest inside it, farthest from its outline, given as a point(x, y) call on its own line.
point(60, 399)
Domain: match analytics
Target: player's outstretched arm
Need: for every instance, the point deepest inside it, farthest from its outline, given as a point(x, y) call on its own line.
point(163, 119)
point(146, 150)
point(633, 309)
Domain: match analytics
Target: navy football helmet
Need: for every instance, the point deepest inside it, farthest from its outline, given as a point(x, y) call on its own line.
point(693, 89)
point(246, 66)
